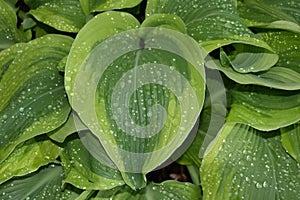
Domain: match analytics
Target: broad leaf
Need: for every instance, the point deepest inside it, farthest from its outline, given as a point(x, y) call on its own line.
point(153, 97)
point(28, 157)
point(271, 14)
point(216, 23)
point(290, 137)
point(284, 75)
point(166, 190)
point(105, 5)
point(9, 33)
point(32, 96)
point(45, 184)
point(63, 15)
point(72, 125)
point(86, 172)
point(243, 163)
point(264, 109)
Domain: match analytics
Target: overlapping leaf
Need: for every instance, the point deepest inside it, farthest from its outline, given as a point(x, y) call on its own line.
point(86, 172)
point(28, 157)
point(63, 15)
point(166, 190)
point(212, 119)
point(33, 99)
point(72, 125)
point(9, 33)
point(44, 184)
point(243, 163)
point(264, 109)
point(284, 75)
point(124, 145)
point(271, 14)
point(217, 23)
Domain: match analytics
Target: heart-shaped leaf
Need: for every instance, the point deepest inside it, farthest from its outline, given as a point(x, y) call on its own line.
point(32, 96)
point(28, 157)
point(264, 109)
point(271, 14)
point(243, 163)
point(154, 94)
point(44, 184)
point(63, 15)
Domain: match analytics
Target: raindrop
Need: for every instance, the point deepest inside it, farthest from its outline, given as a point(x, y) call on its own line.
point(265, 184)
point(258, 185)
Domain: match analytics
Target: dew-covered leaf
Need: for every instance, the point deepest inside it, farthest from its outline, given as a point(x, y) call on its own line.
point(246, 58)
point(284, 75)
point(263, 108)
point(271, 14)
point(166, 190)
point(62, 15)
point(28, 157)
point(104, 5)
point(149, 86)
point(213, 23)
point(32, 95)
point(72, 125)
point(243, 163)
point(94, 32)
point(44, 184)
point(290, 137)
point(9, 33)
point(85, 171)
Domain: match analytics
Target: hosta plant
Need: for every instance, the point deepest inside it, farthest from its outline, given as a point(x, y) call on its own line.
point(149, 99)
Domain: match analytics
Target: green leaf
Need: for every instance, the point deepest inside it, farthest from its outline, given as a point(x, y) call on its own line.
point(243, 163)
point(165, 21)
point(248, 59)
point(28, 157)
point(211, 121)
point(264, 109)
point(271, 14)
point(32, 98)
point(212, 23)
point(104, 5)
point(290, 137)
point(284, 75)
point(45, 184)
point(72, 125)
point(156, 106)
point(86, 172)
point(9, 33)
point(94, 32)
point(215, 24)
point(62, 15)
point(166, 190)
